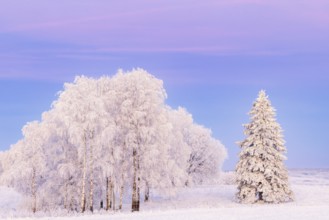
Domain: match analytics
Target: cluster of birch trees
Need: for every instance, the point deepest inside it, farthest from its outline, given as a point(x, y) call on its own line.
point(107, 142)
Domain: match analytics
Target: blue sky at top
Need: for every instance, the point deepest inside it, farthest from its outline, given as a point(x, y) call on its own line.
point(213, 56)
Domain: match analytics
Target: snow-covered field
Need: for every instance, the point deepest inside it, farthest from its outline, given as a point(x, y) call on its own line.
point(311, 188)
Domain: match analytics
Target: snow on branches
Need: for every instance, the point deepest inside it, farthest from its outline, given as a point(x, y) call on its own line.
point(261, 174)
point(106, 138)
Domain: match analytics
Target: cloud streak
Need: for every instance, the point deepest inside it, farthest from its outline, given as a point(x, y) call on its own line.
point(107, 33)
point(164, 24)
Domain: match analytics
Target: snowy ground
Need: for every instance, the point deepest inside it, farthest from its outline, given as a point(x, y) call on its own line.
point(311, 188)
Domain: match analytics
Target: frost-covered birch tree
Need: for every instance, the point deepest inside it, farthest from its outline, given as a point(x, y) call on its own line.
point(108, 140)
point(141, 121)
point(205, 155)
point(25, 164)
point(78, 104)
point(179, 149)
point(106, 151)
point(261, 174)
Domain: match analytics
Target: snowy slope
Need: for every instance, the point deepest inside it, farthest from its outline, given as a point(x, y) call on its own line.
point(311, 188)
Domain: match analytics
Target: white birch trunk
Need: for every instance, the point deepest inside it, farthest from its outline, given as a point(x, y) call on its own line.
point(122, 188)
point(34, 190)
point(147, 192)
point(66, 205)
point(107, 194)
point(113, 197)
point(135, 190)
point(91, 193)
point(83, 191)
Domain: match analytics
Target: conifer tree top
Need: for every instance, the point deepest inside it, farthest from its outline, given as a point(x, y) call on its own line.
point(262, 94)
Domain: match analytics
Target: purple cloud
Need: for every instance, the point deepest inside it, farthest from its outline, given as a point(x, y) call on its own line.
point(252, 26)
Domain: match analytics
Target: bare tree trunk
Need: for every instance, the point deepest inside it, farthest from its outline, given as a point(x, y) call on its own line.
point(122, 182)
point(135, 191)
point(112, 205)
point(107, 195)
point(138, 191)
point(71, 203)
point(91, 195)
point(122, 188)
point(66, 195)
point(34, 191)
point(147, 192)
point(138, 182)
point(83, 193)
point(113, 197)
point(135, 202)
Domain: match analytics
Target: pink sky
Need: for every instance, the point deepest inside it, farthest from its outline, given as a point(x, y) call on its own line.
point(237, 26)
point(213, 56)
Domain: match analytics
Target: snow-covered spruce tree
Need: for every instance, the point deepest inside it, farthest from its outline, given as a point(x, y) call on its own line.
point(261, 174)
